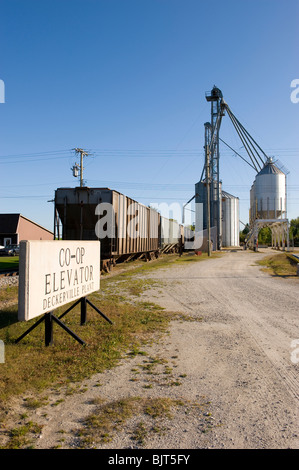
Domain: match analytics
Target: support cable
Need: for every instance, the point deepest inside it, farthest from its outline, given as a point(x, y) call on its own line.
point(252, 139)
point(265, 155)
point(243, 138)
point(246, 135)
point(247, 147)
point(238, 154)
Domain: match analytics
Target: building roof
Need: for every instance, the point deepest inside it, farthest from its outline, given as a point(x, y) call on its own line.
point(270, 169)
point(9, 223)
point(227, 195)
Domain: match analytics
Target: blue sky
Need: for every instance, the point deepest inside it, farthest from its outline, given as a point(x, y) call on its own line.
point(126, 80)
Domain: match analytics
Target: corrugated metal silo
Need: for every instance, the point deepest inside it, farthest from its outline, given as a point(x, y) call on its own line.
point(201, 197)
point(230, 215)
point(268, 193)
point(230, 220)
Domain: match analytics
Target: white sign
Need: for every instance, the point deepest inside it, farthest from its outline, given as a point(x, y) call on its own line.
point(54, 273)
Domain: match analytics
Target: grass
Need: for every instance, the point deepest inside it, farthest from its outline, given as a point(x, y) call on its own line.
point(166, 261)
point(8, 294)
point(111, 418)
point(279, 265)
point(30, 366)
point(21, 436)
point(9, 262)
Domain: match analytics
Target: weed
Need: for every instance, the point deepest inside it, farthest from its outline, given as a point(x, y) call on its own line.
point(279, 265)
point(140, 433)
point(34, 403)
point(112, 417)
point(20, 437)
point(57, 402)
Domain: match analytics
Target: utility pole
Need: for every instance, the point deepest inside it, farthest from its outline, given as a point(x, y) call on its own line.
point(83, 154)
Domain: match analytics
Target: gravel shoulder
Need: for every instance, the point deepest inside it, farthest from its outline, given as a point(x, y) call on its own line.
point(228, 362)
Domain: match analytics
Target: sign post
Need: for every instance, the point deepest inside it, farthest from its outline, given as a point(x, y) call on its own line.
point(52, 274)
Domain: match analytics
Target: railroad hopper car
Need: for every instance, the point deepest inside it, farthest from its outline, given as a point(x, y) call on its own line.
point(171, 235)
point(126, 229)
point(188, 237)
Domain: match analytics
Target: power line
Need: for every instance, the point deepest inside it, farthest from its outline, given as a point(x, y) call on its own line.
point(136, 153)
point(129, 153)
point(35, 153)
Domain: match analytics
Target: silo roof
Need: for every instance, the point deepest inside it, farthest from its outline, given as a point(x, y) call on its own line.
point(228, 196)
point(270, 169)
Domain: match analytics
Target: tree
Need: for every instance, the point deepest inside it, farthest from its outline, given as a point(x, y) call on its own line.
point(294, 231)
point(243, 233)
point(265, 236)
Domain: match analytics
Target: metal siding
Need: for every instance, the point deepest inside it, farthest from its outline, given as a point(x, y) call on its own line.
point(70, 210)
point(230, 220)
point(120, 217)
point(268, 198)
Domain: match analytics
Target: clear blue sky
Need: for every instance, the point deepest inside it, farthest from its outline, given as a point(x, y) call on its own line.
point(126, 80)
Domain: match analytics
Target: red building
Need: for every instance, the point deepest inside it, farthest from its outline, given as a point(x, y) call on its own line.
point(16, 227)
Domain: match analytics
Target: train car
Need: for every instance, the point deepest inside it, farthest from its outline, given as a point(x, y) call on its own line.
point(189, 238)
point(125, 228)
point(170, 235)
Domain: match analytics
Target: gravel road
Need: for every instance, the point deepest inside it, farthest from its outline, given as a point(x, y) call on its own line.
point(236, 358)
point(241, 354)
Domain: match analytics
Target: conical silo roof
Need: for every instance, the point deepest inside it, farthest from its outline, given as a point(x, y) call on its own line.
point(270, 169)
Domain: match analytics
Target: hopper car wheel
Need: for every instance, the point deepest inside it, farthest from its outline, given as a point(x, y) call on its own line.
point(107, 265)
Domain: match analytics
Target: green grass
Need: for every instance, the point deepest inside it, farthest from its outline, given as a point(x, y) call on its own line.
point(279, 265)
point(20, 436)
point(110, 418)
point(151, 417)
point(9, 262)
point(166, 261)
point(31, 367)
point(8, 294)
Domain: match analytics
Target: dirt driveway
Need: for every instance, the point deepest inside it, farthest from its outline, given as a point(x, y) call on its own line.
point(241, 355)
point(236, 359)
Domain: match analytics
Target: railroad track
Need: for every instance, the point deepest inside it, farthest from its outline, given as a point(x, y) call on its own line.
point(293, 257)
point(9, 272)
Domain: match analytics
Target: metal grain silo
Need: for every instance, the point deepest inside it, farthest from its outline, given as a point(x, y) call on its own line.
point(268, 193)
point(201, 198)
point(229, 207)
point(230, 220)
